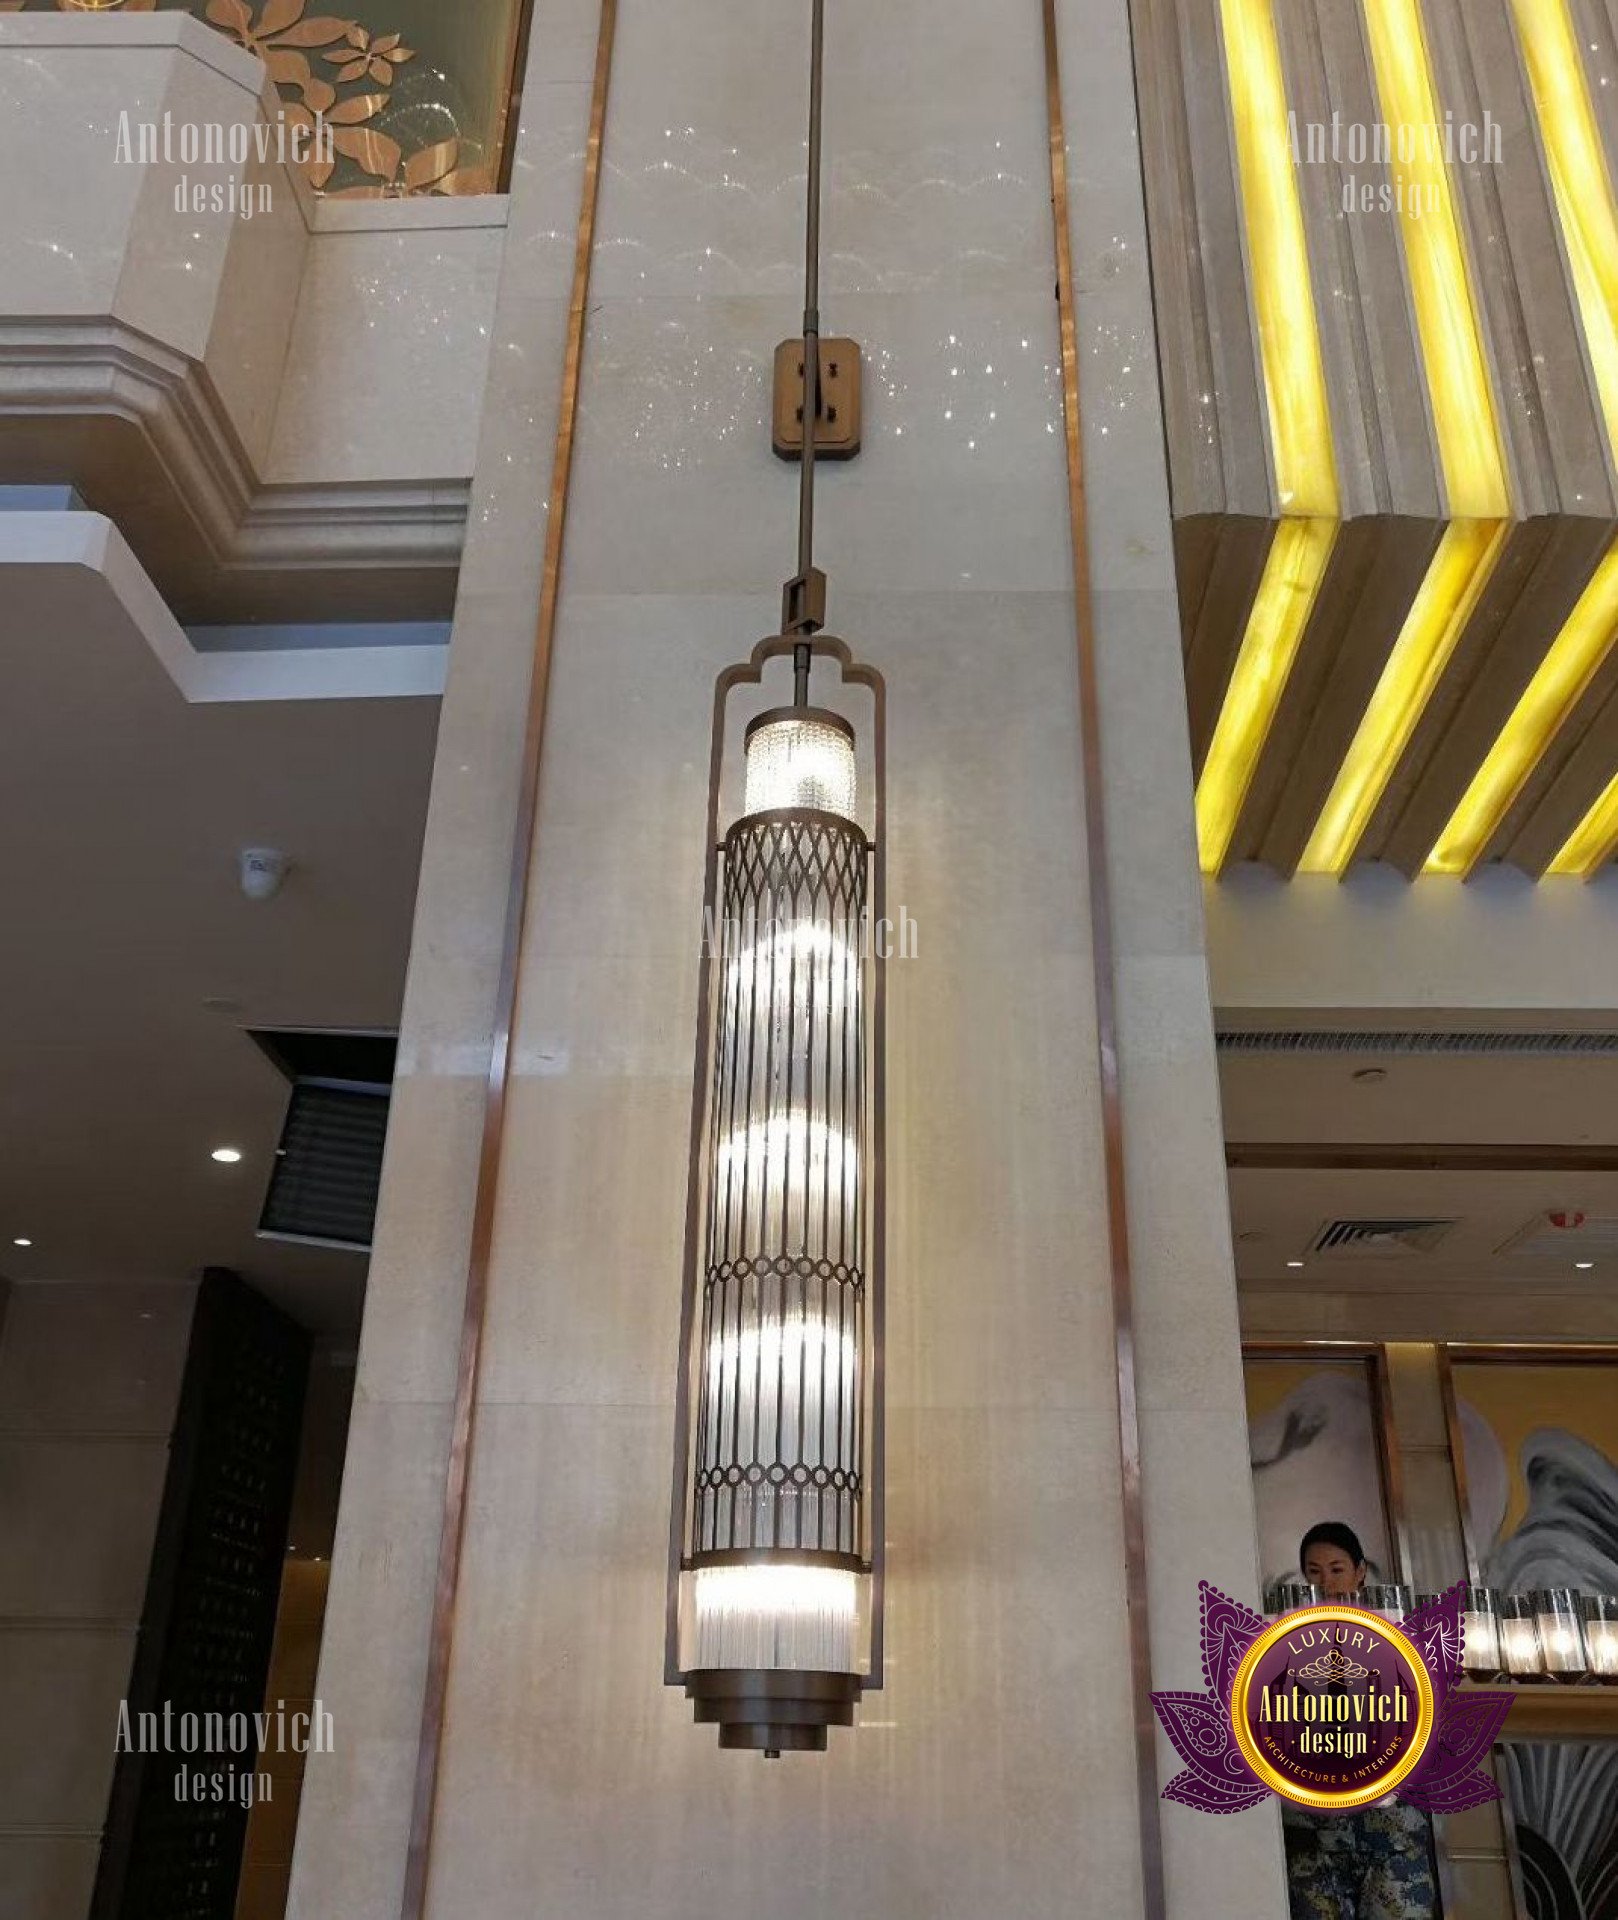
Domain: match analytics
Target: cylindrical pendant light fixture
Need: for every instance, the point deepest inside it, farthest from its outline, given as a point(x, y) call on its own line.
point(774, 1620)
point(775, 1600)
point(776, 1526)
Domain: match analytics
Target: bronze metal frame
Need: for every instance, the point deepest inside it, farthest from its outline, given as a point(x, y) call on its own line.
point(1390, 1465)
point(1501, 1353)
point(751, 674)
point(510, 121)
point(430, 1743)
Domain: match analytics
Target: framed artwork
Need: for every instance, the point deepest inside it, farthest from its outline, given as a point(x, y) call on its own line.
point(1534, 1437)
point(1321, 1449)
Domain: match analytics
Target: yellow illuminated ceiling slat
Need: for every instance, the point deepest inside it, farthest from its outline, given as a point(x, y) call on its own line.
point(1557, 687)
point(1585, 207)
point(1437, 618)
point(1300, 422)
point(1286, 597)
point(1283, 297)
point(1446, 320)
point(1594, 840)
point(1475, 485)
point(1580, 181)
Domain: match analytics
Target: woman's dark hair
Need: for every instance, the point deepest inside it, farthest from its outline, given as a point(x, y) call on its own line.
point(1333, 1533)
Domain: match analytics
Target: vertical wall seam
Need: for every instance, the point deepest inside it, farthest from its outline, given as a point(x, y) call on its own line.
point(429, 1750)
point(1148, 1808)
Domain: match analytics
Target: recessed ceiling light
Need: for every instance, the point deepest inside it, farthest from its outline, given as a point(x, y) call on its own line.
point(1584, 1266)
point(22, 1241)
point(227, 1156)
point(1294, 1263)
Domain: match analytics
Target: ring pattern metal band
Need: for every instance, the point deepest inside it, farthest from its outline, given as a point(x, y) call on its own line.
point(780, 1408)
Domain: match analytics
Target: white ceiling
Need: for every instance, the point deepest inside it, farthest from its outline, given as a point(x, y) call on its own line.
point(1472, 1101)
point(130, 961)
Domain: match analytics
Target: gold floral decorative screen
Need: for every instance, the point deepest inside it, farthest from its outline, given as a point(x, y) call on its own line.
point(415, 92)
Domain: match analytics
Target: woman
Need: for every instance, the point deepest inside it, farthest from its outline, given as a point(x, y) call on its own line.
point(1376, 1863)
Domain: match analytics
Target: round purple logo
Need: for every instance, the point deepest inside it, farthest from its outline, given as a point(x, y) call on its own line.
point(1332, 1707)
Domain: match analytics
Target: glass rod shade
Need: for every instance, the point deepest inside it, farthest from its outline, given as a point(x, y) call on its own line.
point(800, 757)
point(774, 1616)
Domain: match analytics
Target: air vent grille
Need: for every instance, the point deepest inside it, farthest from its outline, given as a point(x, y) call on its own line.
point(1345, 1040)
point(1378, 1239)
point(328, 1165)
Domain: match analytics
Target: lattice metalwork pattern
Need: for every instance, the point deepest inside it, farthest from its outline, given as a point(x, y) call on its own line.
point(177, 1820)
point(780, 1414)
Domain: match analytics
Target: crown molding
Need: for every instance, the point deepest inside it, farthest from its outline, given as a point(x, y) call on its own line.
point(103, 369)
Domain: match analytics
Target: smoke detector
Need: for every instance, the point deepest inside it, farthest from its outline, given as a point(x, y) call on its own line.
point(261, 871)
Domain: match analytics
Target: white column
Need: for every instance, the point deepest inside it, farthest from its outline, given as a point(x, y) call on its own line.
point(993, 1773)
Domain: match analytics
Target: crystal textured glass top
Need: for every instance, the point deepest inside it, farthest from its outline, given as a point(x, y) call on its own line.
point(800, 763)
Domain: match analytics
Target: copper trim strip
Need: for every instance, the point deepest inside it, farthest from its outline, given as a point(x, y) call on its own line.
point(429, 1749)
point(1101, 935)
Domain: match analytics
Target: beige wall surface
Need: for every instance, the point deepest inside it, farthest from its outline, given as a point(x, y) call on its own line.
point(89, 1386)
point(995, 1771)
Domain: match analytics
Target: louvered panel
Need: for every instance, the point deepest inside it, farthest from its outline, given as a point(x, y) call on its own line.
point(328, 1165)
point(1357, 1041)
point(1378, 1239)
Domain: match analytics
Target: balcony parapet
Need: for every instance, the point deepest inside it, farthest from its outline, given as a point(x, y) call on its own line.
point(275, 395)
